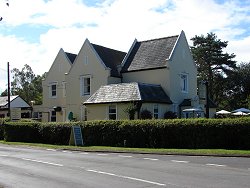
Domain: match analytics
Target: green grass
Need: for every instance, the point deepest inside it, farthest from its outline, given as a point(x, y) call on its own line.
point(209, 152)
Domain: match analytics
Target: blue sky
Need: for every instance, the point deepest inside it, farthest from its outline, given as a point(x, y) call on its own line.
point(33, 31)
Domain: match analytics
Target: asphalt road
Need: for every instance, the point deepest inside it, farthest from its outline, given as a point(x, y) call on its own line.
point(32, 167)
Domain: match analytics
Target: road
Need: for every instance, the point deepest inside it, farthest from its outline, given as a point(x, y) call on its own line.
point(35, 167)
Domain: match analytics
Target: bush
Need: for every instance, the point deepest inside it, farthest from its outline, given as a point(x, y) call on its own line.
point(173, 133)
point(146, 114)
point(170, 115)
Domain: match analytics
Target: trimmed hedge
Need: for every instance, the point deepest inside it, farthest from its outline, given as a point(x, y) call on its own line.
point(176, 133)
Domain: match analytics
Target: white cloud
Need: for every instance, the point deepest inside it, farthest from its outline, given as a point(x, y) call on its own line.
point(115, 24)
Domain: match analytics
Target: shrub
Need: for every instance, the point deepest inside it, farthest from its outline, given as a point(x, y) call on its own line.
point(146, 114)
point(170, 115)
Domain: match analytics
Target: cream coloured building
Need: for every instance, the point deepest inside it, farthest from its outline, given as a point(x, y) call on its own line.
point(156, 75)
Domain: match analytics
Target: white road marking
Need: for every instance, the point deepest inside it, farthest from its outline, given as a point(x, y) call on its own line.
point(151, 159)
point(3, 155)
point(102, 154)
point(44, 162)
point(66, 151)
point(125, 156)
point(51, 150)
point(126, 177)
point(176, 161)
point(218, 165)
point(84, 153)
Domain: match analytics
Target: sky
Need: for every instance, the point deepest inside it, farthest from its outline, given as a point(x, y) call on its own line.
point(33, 31)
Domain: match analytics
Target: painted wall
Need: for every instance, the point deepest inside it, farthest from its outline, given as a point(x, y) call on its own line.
point(60, 66)
point(87, 63)
point(181, 62)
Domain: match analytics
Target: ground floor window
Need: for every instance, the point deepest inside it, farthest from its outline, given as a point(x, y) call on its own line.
point(156, 111)
point(112, 112)
point(53, 116)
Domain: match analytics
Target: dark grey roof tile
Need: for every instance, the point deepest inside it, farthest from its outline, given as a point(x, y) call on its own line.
point(150, 54)
point(111, 58)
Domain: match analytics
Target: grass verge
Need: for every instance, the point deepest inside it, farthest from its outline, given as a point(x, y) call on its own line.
point(205, 152)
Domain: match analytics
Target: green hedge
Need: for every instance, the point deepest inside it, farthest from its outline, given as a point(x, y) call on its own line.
point(177, 133)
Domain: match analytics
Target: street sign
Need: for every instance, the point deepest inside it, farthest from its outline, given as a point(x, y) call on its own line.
point(76, 136)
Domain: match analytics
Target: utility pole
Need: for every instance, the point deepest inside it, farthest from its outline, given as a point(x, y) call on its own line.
point(207, 99)
point(8, 70)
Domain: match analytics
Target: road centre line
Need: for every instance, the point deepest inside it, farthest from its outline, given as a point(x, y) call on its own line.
point(125, 156)
point(218, 165)
point(151, 159)
point(177, 161)
point(43, 162)
point(51, 150)
point(102, 154)
point(126, 177)
point(3, 155)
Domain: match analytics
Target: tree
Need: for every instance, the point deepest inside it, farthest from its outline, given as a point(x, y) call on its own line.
point(27, 85)
point(213, 64)
point(238, 87)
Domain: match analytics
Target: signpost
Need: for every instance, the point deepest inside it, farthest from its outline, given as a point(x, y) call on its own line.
point(76, 136)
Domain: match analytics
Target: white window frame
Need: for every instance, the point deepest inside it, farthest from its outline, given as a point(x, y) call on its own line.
point(114, 107)
point(51, 90)
point(156, 111)
point(83, 86)
point(184, 82)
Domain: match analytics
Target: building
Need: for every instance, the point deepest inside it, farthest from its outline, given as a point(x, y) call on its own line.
point(156, 75)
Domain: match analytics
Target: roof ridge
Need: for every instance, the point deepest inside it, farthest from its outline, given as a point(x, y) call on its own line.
point(159, 38)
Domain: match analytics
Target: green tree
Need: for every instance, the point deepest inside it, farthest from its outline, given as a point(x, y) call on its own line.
point(238, 87)
point(213, 64)
point(27, 85)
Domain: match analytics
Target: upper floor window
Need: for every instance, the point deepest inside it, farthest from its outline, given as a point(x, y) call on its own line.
point(112, 112)
point(156, 111)
point(53, 90)
point(184, 83)
point(85, 85)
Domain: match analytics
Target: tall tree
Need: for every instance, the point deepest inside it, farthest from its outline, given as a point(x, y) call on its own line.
point(213, 64)
point(27, 85)
point(238, 87)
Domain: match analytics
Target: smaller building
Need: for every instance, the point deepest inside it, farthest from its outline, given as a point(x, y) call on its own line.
point(17, 105)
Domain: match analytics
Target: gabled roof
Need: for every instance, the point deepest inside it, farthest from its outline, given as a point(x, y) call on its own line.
point(127, 92)
point(71, 57)
point(4, 100)
point(111, 58)
point(150, 54)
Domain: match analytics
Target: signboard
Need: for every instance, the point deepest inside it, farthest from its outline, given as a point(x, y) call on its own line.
point(15, 113)
point(76, 136)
